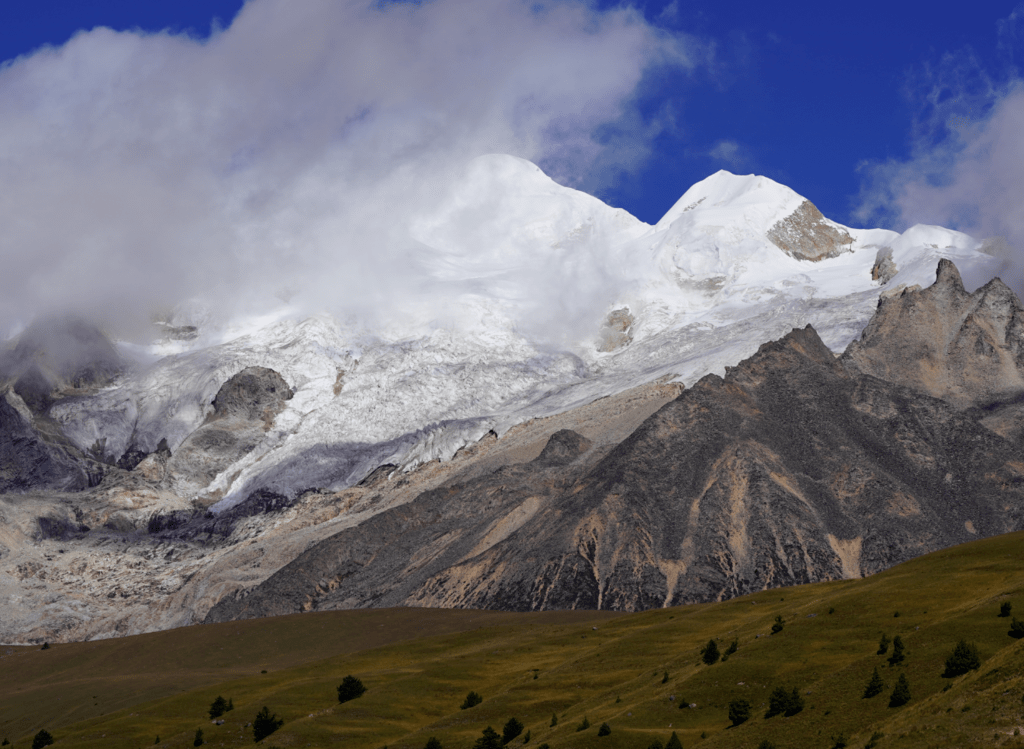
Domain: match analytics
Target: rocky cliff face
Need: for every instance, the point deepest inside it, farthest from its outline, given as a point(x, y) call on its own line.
point(793, 468)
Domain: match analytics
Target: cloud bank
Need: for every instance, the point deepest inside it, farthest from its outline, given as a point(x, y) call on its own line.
point(282, 156)
point(967, 166)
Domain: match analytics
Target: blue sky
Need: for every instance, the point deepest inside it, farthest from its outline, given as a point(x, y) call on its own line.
point(211, 131)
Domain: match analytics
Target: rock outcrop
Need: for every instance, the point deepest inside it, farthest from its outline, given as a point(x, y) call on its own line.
point(31, 459)
point(807, 235)
point(792, 468)
point(967, 349)
point(243, 410)
point(56, 356)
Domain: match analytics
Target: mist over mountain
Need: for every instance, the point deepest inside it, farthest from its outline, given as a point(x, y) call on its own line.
point(255, 464)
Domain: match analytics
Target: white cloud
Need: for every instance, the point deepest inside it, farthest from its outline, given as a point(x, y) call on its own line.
point(728, 151)
point(283, 152)
point(967, 166)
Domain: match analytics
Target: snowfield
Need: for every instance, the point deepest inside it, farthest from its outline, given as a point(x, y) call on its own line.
point(699, 291)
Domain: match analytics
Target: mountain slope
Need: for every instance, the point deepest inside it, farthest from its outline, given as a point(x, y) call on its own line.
point(791, 469)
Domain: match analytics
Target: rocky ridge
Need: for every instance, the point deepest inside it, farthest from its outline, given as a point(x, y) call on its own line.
point(794, 467)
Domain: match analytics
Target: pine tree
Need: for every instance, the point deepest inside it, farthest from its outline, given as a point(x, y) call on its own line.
point(733, 647)
point(875, 685)
point(41, 739)
point(584, 724)
point(964, 658)
point(472, 700)
point(883, 645)
point(489, 740)
point(433, 743)
point(350, 688)
point(231, 705)
point(554, 720)
point(901, 694)
point(1016, 628)
point(217, 708)
point(898, 653)
point(1005, 608)
point(512, 729)
point(198, 740)
point(674, 742)
point(779, 624)
point(604, 730)
point(710, 653)
point(265, 724)
point(739, 711)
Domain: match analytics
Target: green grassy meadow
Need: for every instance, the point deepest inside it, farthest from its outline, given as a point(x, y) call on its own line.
point(419, 664)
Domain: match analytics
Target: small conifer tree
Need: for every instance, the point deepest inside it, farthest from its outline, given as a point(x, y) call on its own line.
point(5, 742)
point(733, 647)
point(709, 653)
point(964, 658)
point(472, 700)
point(874, 686)
point(1005, 608)
point(218, 707)
point(231, 705)
point(264, 724)
point(674, 742)
point(512, 729)
point(350, 688)
point(604, 730)
point(739, 711)
point(898, 651)
point(584, 724)
point(433, 743)
point(1016, 628)
point(488, 740)
point(41, 739)
point(554, 720)
point(901, 694)
point(198, 740)
point(883, 645)
point(779, 624)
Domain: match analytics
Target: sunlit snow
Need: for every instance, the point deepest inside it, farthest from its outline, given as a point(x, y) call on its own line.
point(705, 288)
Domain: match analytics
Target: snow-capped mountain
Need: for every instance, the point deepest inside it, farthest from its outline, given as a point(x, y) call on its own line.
point(700, 291)
point(534, 308)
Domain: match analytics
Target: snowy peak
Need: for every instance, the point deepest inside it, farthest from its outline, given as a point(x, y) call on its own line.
point(760, 202)
point(758, 208)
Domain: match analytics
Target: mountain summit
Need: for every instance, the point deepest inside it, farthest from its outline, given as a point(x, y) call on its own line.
point(545, 311)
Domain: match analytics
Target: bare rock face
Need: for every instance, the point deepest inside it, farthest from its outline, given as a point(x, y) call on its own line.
point(793, 468)
point(244, 409)
point(967, 349)
point(29, 458)
point(807, 235)
point(617, 331)
point(54, 356)
point(884, 268)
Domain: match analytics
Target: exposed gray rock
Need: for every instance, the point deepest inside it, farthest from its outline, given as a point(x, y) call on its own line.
point(31, 459)
point(254, 394)
point(617, 331)
point(884, 268)
point(965, 348)
point(807, 235)
point(244, 408)
point(55, 355)
point(791, 469)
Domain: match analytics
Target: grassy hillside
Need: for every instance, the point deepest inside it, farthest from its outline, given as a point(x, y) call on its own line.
point(604, 667)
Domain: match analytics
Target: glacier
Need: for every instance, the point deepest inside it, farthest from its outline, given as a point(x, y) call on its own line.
point(697, 292)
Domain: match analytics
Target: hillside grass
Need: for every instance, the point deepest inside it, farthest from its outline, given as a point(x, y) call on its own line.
point(419, 664)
